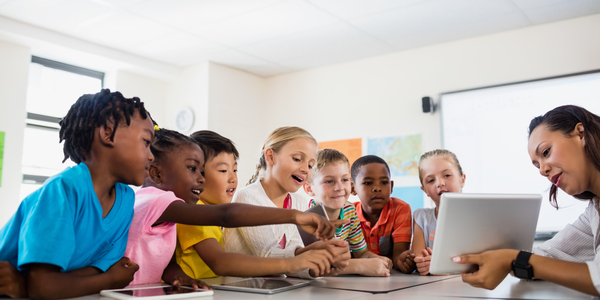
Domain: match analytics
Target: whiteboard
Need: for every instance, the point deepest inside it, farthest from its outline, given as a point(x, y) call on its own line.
point(487, 129)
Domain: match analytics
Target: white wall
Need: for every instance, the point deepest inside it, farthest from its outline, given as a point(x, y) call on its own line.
point(152, 92)
point(235, 111)
point(14, 68)
point(191, 91)
point(381, 96)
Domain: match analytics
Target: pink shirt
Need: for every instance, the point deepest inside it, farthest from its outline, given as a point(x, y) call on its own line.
point(151, 247)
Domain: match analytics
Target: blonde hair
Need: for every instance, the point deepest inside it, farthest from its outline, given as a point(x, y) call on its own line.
point(328, 157)
point(276, 140)
point(443, 153)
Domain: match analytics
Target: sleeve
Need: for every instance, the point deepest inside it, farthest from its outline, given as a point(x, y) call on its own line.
point(573, 243)
point(356, 238)
point(190, 235)
point(402, 224)
point(48, 235)
point(155, 210)
point(116, 248)
point(261, 240)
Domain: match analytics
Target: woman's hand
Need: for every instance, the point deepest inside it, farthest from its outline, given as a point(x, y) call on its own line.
point(318, 226)
point(493, 266)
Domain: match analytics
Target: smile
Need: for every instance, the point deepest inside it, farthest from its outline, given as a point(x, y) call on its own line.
point(298, 179)
point(556, 179)
point(197, 192)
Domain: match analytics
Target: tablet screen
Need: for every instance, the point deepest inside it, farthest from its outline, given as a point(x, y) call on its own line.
point(261, 283)
point(158, 291)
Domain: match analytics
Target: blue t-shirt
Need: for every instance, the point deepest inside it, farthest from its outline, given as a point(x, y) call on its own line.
point(61, 224)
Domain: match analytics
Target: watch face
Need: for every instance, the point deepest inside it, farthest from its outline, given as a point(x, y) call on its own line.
point(521, 272)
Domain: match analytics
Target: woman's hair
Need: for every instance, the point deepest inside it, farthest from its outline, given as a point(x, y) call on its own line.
point(166, 142)
point(442, 153)
point(276, 140)
point(92, 111)
point(328, 157)
point(213, 144)
point(564, 119)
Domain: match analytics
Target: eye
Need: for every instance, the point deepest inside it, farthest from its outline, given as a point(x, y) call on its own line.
point(223, 171)
point(447, 175)
point(345, 180)
point(296, 159)
point(430, 181)
point(235, 171)
point(192, 168)
point(147, 142)
point(545, 153)
point(367, 183)
point(329, 181)
point(310, 167)
point(384, 182)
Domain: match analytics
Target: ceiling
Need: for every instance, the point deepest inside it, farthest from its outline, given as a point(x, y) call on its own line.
point(270, 37)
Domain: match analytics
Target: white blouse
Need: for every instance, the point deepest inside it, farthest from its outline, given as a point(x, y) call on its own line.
point(578, 242)
point(264, 240)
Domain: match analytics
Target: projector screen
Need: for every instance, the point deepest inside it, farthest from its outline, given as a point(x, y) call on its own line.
point(487, 129)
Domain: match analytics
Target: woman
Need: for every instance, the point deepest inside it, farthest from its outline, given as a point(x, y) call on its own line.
point(564, 145)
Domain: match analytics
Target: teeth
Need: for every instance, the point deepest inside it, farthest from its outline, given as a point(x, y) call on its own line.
point(197, 192)
point(297, 178)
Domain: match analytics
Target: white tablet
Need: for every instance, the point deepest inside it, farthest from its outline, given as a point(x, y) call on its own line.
point(156, 292)
point(261, 285)
point(474, 223)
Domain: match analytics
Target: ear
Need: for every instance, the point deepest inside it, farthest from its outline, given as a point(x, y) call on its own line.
point(155, 174)
point(269, 156)
point(424, 191)
point(462, 182)
point(391, 186)
point(104, 134)
point(579, 131)
point(308, 189)
point(352, 189)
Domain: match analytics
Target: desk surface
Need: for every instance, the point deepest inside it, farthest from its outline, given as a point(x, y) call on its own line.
point(400, 286)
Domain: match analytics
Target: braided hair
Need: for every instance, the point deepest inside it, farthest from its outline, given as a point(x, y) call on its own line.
point(167, 142)
point(92, 111)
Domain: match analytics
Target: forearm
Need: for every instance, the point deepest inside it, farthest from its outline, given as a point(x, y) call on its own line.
point(570, 274)
point(44, 284)
point(237, 215)
point(235, 264)
point(355, 266)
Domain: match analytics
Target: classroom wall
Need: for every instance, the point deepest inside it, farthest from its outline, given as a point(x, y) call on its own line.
point(381, 96)
point(14, 69)
point(191, 91)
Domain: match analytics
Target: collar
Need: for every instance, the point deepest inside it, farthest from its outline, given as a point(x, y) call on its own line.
point(383, 217)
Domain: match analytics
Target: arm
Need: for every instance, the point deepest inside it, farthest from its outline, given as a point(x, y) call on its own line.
point(401, 253)
point(418, 245)
point(237, 215)
point(235, 264)
point(46, 281)
point(366, 267)
point(496, 264)
point(174, 275)
point(12, 282)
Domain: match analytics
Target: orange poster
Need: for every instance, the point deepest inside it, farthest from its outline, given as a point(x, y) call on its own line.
point(352, 148)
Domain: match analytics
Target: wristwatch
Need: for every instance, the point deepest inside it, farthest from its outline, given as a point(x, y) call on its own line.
point(521, 267)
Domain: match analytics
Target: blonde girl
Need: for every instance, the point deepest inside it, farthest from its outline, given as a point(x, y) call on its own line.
point(439, 172)
point(286, 160)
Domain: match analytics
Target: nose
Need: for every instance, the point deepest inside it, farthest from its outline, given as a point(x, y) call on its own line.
point(376, 189)
point(544, 169)
point(441, 183)
point(151, 156)
point(232, 177)
point(338, 186)
point(200, 178)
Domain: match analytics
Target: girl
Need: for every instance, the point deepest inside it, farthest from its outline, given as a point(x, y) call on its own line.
point(177, 181)
point(439, 172)
point(564, 144)
point(287, 159)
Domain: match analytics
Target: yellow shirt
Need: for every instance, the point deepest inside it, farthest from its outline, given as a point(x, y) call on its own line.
point(185, 254)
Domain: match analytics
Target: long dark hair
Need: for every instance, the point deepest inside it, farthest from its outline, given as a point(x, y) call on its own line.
point(564, 119)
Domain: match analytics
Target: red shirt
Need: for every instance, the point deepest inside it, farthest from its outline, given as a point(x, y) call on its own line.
point(395, 220)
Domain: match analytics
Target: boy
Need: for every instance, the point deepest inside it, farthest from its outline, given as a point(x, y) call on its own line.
point(331, 185)
point(68, 238)
point(386, 221)
point(199, 249)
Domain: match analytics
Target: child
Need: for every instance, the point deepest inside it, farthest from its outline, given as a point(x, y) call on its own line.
point(331, 184)
point(563, 145)
point(176, 174)
point(385, 221)
point(286, 158)
point(439, 172)
point(69, 236)
point(200, 248)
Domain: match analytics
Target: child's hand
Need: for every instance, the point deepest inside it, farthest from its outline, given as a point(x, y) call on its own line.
point(317, 225)
point(318, 261)
point(340, 253)
point(191, 282)
point(406, 262)
point(375, 266)
point(12, 282)
point(423, 261)
point(386, 260)
point(122, 272)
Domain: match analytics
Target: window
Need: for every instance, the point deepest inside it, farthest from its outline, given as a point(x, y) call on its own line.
point(53, 87)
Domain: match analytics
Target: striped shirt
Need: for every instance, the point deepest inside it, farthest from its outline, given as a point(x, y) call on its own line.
point(394, 226)
point(350, 231)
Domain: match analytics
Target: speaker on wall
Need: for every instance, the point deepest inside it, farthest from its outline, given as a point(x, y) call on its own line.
point(428, 105)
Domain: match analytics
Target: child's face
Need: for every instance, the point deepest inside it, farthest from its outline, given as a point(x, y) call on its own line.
point(331, 186)
point(440, 176)
point(220, 175)
point(181, 173)
point(291, 166)
point(132, 156)
point(562, 159)
point(373, 186)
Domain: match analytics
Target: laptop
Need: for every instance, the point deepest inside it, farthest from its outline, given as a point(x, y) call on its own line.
point(475, 223)
point(261, 285)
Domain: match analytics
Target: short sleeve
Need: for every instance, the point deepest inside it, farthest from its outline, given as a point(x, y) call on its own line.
point(356, 239)
point(402, 223)
point(190, 235)
point(47, 234)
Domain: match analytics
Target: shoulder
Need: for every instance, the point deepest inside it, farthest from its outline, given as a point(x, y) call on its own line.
point(153, 197)
point(66, 186)
point(349, 210)
point(251, 194)
point(299, 201)
point(397, 204)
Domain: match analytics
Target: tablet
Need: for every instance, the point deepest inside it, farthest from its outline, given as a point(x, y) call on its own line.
point(474, 223)
point(261, 285)
point(306, 237)
point(156, 292)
